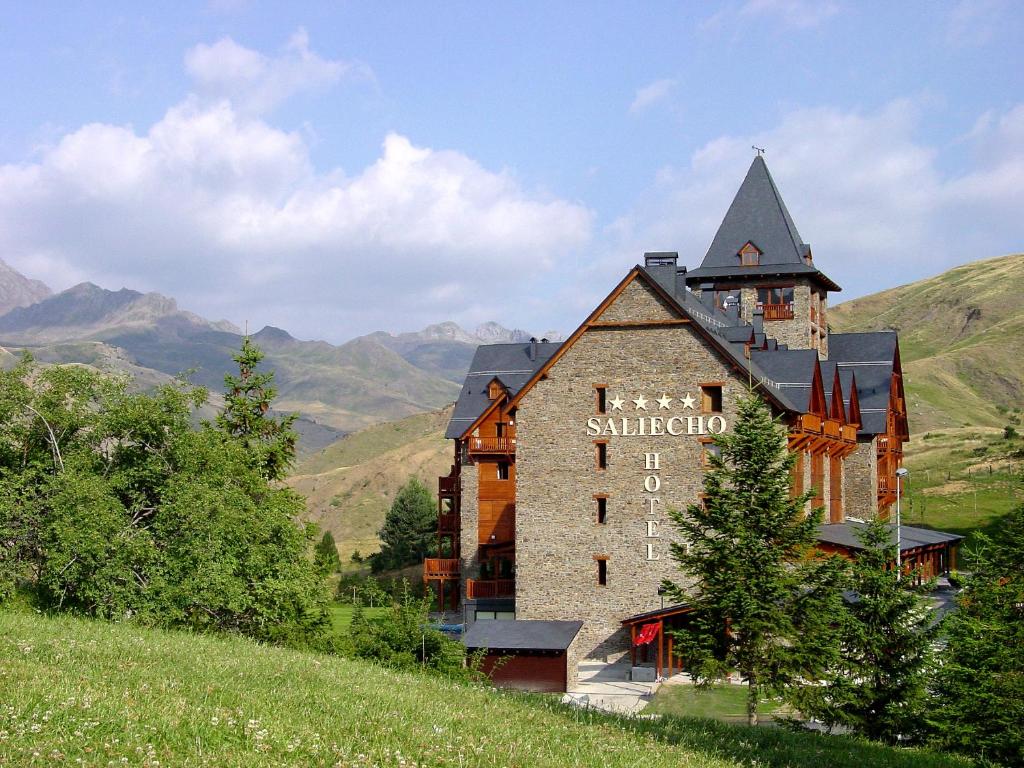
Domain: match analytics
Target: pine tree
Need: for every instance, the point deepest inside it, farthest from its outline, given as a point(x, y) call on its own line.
point(247, 399)
point(978, 686)
point(762, 596)
point(326, 556)
point(410, 528)
point(876, 685)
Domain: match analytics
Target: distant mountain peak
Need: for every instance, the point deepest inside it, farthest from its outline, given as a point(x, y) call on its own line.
point(269, 333)
point(494, 333)
point(16, 290)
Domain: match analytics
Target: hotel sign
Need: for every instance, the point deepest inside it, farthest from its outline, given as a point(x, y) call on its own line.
point(643, 425)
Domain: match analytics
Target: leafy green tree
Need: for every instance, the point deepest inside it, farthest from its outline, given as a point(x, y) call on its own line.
point(978, 686)
point(876, 686)
point(403, 638)
point(762, 596)
point(326, 556)
point(113, 505)
point(410, 528)
point(247, 400)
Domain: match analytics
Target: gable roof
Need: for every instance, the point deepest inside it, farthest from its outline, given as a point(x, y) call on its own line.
point(508, 363)
point(702, 320)
point(759, 216)
point(872, 358)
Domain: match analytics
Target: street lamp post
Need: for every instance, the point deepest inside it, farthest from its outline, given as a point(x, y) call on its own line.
point(900, 474)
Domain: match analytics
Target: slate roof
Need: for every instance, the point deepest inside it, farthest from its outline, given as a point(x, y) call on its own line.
point(512, 366)
point(758, 215)
point(845, 535)
point(521, 635)
point(871, 357)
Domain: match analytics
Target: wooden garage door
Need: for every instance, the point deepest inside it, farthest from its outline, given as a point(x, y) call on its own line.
point(542, 671)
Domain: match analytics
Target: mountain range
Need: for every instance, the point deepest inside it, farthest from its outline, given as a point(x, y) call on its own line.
point(335, 389)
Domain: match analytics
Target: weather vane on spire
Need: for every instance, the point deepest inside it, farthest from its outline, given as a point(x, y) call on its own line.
point(759, 150)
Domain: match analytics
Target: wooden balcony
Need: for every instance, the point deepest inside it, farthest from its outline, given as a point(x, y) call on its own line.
point(448, 486)
point(777, 311)
point(504, 446)
point(809, 422)
point(441, 568)
point(850, 433)
point(484, 588)
point(832, 429)
point(448, 523)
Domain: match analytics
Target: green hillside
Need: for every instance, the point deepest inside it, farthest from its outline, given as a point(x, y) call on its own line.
point(962, 346)
point(961, 340)
point(350, 484)
point(79, 692)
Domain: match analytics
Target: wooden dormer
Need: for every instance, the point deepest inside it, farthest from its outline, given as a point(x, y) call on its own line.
point(750, 255)
point(495, 389)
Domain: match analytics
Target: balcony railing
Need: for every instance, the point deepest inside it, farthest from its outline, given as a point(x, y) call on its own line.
point(504, 445)
point(447, 485)
point(483, 588)
point(441, 568)
point(777, 311)
point(832, 428)
point(809, 422)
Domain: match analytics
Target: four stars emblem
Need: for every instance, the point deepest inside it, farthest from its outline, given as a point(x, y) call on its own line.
point(640, 403)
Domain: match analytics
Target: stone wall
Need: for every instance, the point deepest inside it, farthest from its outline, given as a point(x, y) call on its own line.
point(469, 476)
point(862, 481)
point(558, 539)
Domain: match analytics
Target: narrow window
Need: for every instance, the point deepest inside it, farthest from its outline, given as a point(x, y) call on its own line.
point(602, 509)
point(499, 429)
point(711, 398)
point(602, 572)
point(503, 470)
point(708, 449)
point(601, 396)
point(602, 454)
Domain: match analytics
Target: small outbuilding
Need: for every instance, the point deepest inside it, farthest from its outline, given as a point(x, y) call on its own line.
point(526, 655)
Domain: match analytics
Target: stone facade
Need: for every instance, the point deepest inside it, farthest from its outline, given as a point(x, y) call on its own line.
point(469, 477)
point(862, 481)
point(558, 538)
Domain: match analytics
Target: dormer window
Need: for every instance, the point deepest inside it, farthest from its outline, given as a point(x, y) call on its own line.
point(750, 255)
point(495, 390)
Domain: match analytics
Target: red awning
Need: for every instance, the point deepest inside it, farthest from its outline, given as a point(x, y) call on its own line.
point(647, 633)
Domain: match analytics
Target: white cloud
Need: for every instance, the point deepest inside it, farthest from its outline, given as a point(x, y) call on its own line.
point(651, 94)
point(256, 82)
point(870, 198)
point(217, 207)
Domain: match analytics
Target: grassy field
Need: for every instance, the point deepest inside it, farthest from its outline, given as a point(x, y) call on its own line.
point(962, 480)
point(727, 703)
point(81, 692)
point(341, 616)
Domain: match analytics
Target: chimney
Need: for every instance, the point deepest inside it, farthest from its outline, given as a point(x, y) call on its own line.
point(680, 280)
point(662, 267)
point(533, 348)
point(707, 295)
point(759, 320)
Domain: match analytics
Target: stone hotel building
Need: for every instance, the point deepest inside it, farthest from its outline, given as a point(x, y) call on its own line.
point(567, 456)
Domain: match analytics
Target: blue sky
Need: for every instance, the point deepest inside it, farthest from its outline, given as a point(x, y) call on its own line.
point(334, 168)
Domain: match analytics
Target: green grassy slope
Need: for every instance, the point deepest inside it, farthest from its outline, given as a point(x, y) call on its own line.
point(81, 692)
point(961, 340)
point(962, 346)
point(350, 484)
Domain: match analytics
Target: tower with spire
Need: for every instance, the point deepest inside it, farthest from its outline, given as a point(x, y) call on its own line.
point(758, 260)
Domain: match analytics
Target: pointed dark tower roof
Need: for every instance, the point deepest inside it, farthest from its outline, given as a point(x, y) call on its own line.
point(758, 216)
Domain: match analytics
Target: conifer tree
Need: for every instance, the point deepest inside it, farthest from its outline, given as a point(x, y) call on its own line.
point(326, 556)
point(248, 396)
point(978, 686)
point(410, 528)
point(876, 684)
point(762, 596)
